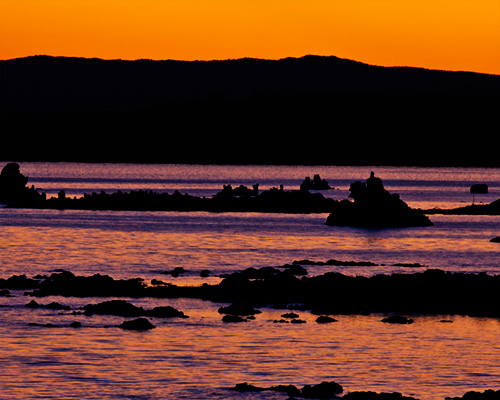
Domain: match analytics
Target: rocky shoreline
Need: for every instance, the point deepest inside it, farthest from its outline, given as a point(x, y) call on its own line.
point(432, 291)
point(287, 287)
point(333, 390)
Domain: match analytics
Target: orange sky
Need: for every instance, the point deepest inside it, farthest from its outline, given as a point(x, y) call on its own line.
point(439, 34)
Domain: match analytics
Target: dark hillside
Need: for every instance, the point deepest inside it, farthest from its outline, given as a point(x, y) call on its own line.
point(311, 110)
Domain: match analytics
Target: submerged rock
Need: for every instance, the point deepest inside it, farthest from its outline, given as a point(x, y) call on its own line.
point(139, 324)
point(165, 312)
point(473, 395)
point(123, 308)
point(375, 207)
point(323, 319)
point(315, 184)
point(238, 309)
point(375, 396)
point(233, 318)
point(325, 390)
point(396, 319)
point(246, 387)
point(120, 308)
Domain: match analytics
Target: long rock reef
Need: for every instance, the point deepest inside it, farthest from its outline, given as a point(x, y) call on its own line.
point(432, 291)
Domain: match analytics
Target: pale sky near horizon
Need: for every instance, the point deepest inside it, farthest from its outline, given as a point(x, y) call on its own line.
point(437, 34)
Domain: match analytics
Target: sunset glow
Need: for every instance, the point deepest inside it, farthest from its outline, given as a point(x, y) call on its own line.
point(438, 34)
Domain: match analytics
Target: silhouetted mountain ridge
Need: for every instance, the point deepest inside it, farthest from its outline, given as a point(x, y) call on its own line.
point(312, 109)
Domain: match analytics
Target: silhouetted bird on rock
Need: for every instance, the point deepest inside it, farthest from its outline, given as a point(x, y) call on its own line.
point(375, 207)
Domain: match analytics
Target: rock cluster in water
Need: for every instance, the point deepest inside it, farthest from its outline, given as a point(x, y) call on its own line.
point(332, 390)
point(375, 207)
point(432, 291)
point(13, 188)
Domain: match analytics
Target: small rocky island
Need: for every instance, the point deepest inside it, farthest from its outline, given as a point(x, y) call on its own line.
point(375, 207)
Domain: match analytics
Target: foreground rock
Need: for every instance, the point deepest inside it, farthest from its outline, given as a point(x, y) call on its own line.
point(315, 184)
point(375, 396)
point(397, 319)
point(139, 324)
point(492, 208)
point(375, 207)
point(324, 390)
point(13, 190)
point(472, 395)
point(431, 291)
point(125, 309)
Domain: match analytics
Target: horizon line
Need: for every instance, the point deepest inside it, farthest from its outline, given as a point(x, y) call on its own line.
point(248, 58)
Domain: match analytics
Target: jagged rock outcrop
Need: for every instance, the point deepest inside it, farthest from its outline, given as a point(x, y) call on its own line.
point(375, 207)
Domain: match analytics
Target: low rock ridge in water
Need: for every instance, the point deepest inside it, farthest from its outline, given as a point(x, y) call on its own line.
point(432, 291)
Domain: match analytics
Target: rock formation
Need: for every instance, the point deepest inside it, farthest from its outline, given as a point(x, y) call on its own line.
point(375, 207)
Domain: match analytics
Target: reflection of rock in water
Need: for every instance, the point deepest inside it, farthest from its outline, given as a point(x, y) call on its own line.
point(374, 206)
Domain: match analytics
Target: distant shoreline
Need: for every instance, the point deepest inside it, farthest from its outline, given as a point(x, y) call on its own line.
point(295, 111)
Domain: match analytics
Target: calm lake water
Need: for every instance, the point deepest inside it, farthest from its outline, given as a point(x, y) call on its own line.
point(201, 357)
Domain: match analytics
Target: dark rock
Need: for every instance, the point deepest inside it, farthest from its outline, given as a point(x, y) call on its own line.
point(157, 282)
point(375, 207)
point(32, 304)
point(246, 387)
point(281, 321)
point(12, 183)
point(473, 395)
point(19, 282)
point(290, 390)
point(13, 190)
point(325, 390)
point(89, 286)
point(495, 239)
point(337, 263)
point(114, 307)
point(396, 319)
point(56, 306)
point(61, 274)
point(492, 208)
point(4, 293)
point(139, 324)
point(479, 188)
point(295, 270)
point(238, 309)
point(323, 319)
point(75, 324)
point(175, 272)
point(233, 318)
point(375, 396)
point(204, 273)
point(165, 312)
point(125, 309)
point(297, 321)
point(410, 265)
point(315, 184)
point(290, 315)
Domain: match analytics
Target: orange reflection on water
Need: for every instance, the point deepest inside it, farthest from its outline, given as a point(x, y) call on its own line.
point(201, 357)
